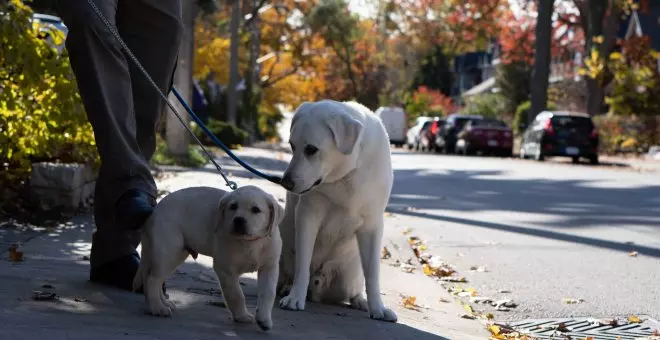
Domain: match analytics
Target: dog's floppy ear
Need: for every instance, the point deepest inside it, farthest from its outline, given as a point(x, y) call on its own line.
point(276, 213)
point(345, 132)
point(222, 206)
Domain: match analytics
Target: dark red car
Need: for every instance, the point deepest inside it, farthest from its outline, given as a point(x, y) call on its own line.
point(486, 136)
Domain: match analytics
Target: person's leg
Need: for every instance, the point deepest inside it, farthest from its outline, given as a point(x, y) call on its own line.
point(105, 84)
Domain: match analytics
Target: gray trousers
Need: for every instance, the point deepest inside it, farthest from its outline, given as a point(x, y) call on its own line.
point(122, 107)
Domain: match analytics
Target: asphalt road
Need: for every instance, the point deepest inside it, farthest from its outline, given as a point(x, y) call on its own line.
point(544, 231)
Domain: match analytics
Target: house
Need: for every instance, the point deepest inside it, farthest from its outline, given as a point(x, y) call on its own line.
point(646, 22)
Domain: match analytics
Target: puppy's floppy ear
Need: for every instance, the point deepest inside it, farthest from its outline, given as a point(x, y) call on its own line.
point(276, 213)
point(345, 132)
point(222, 206)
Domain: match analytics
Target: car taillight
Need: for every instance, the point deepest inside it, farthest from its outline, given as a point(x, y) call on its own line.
point(594, 133)
point(548, 127)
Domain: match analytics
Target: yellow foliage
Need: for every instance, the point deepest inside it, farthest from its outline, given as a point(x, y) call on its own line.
point(41, 114)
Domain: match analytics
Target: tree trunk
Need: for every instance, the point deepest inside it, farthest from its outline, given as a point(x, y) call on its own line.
point(233, 62)
point(541, 72)
point(250, 98)
point(176, 135)
point(594, 27)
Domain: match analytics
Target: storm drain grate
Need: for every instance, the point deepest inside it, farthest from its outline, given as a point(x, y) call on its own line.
point(587, 329)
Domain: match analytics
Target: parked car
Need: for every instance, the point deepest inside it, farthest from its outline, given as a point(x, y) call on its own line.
point(446, 138)
point(412, 136)
point(395, 121)
point(487, 136)
point(564, 134)
point(428, 134)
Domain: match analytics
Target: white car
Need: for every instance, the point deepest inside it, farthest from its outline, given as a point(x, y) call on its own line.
point(396, 122)
point(412, 136)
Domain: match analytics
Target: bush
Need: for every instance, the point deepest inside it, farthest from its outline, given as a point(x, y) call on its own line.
point(41, 115)
point(627, 134)
point(520, 117)
point(195, 157)
point(228, 134)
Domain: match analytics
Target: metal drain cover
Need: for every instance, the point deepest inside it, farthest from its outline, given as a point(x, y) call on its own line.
point(587, 328)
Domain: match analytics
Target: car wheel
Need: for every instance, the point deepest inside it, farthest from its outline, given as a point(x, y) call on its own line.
point(593, 160)
point(576, 160)
point(538, 156)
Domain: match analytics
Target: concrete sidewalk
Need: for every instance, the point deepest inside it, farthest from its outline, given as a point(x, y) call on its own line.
point(56, 260)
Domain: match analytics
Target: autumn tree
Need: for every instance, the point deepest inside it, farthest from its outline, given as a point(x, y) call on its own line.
point(434, 72)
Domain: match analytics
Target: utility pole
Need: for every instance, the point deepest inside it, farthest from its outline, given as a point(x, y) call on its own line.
point(233, 62)
point(176, 135)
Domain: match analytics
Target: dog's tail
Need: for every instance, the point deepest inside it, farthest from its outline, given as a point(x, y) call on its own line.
point(145, 264)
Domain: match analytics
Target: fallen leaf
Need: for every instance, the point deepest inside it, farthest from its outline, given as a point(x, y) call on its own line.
point(468, 308)
point(467, 316)
point(504, 291)
point(464, 294)
point(47, 286)
point(453, 279)
point(633, 254)
point(572, 301)
point(562, 327)
point(385, 254)
point(15, 255)
point(407, 231)
point(634, 319)
point(490, 316)
point(43, 296)
point(480, 299)
point(396, 263)
point(480, 269)
point(444, 300)
point(603, 322)
point(504, 303)
point(409, 270)
point(495, 330)
point(410, 302)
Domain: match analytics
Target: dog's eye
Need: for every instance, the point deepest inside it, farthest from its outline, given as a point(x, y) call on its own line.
point(310, 150)
point(233, 206)
point(255, 210)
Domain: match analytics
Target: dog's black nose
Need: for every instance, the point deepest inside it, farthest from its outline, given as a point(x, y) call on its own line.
point(239, 225)
point(287, 182)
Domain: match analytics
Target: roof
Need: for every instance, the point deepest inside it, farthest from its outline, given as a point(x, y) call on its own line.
point(646, 23)
point(569, 113)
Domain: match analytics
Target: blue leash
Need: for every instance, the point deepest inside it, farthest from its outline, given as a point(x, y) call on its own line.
point(216, 140)
point(232, 185)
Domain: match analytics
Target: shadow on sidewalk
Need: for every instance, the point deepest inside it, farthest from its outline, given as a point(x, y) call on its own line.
point(56, 260)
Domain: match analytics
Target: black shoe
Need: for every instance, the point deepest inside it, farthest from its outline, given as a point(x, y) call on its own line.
point(133, 209)
point(119, 273)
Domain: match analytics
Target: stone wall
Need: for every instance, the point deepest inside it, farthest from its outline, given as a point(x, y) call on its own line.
point(62, 186)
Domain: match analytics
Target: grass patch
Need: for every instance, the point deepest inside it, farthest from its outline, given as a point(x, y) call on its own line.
point(195, 157)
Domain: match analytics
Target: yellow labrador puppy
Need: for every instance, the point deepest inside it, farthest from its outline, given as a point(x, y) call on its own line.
point(238, 229)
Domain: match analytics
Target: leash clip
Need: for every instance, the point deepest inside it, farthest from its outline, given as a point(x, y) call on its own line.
point(232, 185)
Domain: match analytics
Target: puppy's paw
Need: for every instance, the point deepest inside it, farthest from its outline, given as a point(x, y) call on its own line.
point(383, 314)
point(265, 323)
point(160, 310)
point(244, 318)
point(292, 302)
point(170, 304)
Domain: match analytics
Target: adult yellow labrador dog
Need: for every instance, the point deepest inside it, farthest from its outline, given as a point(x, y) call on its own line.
point(339, 182)
point(239, 229)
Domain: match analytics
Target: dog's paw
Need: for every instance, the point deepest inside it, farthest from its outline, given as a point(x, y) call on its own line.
point(383, 314)
point(244, 318)
point(359, 303)
point(160, 310)
point(170, 304)
point(291, 302)
point(264, 323)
